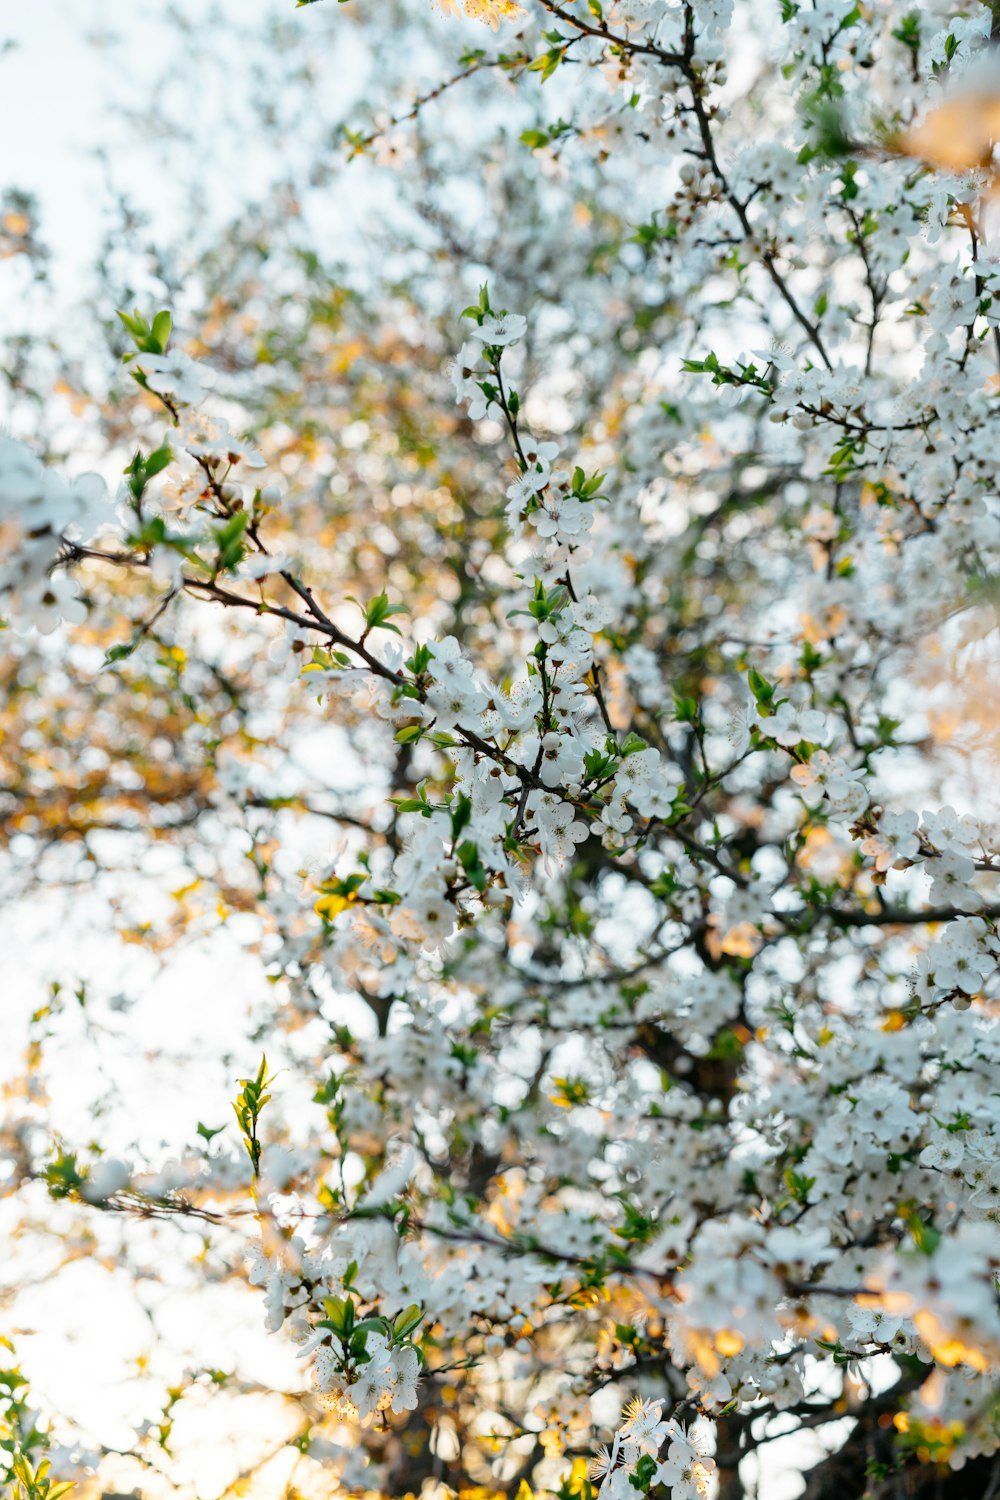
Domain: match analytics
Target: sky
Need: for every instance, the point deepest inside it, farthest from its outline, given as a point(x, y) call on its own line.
point(78, 77)
point(68, 66)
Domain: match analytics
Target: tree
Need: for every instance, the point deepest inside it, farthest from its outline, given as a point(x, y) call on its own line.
point(638, 1041)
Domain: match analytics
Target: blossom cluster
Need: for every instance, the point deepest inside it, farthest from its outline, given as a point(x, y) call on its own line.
point(655, 971)
point(41, 511)
point(684, 1468)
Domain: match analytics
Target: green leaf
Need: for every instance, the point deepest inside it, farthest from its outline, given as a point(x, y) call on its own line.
point(119, 652)
point(371, 1325)
point(162, 328)
point(685, 709)
point(633, 743)
point(473, 866)
point(762, 690)
point(378, 610)
point(406, 1321)
point(156, 461)
point(229, 541)
point(461, 814)
point(135, 323)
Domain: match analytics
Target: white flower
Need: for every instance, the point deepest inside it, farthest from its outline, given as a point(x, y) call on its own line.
point(559, 832)
point(562, 516)
point(617, 1485)
point(514, 710)
point(828, 775)
point(945, 1152)
point(500, 328)
point(591, 613)
point(896, 839)
point(436, 919)
point(405, 1372)
point(883, 1111)
point(742, 722)
point(328, 1365)
point(453, 704)
point(531, 482)
point(789, 725)
point(49, 603)
point(637, 770)
point(685, 1470)
point(368, 1392)
point(466, 380)
point(873, 1324)
point(959, 960)
point(105, 1178)
point(175, 375)
point(951, 874)
point(653, 795)
point(615, 818)
point(644, 1425)
point(211, 439)
point(560, 759)
point(604, 1461)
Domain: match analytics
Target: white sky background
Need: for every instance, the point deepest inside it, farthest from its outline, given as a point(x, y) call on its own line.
point(74, 65)
point(70, 62)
